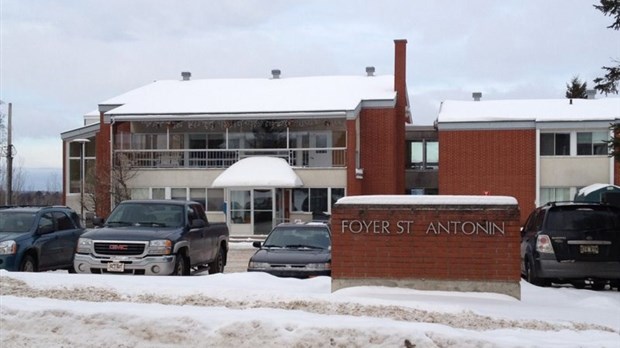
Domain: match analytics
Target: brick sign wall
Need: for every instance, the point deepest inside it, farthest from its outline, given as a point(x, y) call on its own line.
point(466, 243)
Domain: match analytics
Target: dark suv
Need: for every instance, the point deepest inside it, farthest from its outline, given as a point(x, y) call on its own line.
point(38, 238)
point(577, 243)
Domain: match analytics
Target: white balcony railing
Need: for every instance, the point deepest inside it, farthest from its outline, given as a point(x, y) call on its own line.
point(191, 158)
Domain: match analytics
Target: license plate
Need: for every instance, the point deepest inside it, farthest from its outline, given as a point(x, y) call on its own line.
point(588, 249)
point(116, 267)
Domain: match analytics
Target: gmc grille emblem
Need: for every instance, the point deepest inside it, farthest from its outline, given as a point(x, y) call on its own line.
point(117, 247)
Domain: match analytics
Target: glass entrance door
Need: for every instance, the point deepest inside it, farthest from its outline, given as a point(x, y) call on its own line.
point(263, 210)
point(253, 211)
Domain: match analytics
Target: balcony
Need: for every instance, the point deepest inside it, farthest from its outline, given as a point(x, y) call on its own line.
point(334, 157)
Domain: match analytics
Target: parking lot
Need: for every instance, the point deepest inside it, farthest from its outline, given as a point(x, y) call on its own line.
point(238, 257)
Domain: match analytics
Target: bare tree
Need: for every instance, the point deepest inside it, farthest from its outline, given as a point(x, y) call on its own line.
point(116, 182)
point(19, 181)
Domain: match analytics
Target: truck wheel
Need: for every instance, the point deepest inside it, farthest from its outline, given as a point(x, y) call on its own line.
point(180, 266)
point(28, 264)
point(217, 266)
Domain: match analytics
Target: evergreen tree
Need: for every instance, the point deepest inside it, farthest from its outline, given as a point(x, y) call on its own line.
point(614, 142)
point(576, 89)
point(609, 83)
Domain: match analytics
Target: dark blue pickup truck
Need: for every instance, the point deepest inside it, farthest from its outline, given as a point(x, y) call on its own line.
point(153, 237)
point(38, 238)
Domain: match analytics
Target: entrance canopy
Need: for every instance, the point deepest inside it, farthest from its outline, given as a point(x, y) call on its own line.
point(259, 172)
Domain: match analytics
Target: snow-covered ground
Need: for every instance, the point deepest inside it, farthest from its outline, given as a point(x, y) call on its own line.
point(57, 309)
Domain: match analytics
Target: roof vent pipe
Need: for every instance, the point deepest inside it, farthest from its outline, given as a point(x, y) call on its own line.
point(370, 71)
point(476, 96)
point(590, 94)
point(275, 73)
point(186, 75)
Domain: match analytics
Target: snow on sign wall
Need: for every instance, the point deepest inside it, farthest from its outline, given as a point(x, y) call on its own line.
point(461, 243)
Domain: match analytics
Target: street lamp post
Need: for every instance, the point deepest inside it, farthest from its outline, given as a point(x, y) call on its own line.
point(82, 172)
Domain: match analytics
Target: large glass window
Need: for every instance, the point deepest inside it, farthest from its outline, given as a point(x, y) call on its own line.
point(159, 193)
point(592, 143)
point(554, 194)
point(417, 154)
point(215, 199)
point(75, 155)
point(317, 201)
point(140, 193)
point(555, 144)
point(178, 193)
point(140, 141)
point(240, 206)
point(423, 154)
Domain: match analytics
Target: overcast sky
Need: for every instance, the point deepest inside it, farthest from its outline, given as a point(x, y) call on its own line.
point(60, 58)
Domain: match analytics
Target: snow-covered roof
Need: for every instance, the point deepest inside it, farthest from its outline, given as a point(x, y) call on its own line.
point(242, 96)
point(536, 110)
point(428, 200)
point(258, 172)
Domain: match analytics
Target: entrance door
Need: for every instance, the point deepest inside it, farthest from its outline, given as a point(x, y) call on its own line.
point(251, 211)
point(263, 210)
point(320, 155)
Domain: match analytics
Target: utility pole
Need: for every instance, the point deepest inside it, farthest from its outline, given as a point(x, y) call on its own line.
point(9, 159)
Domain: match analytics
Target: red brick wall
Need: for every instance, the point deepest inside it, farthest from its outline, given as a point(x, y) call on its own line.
point(418, 255)
point(65, 166)
point(616, 173)
point(382, 136)
point(382, 143)
point(354, 186)
point(102, 191)
point(500, 162)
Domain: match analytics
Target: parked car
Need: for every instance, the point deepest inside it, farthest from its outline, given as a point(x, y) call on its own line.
point(299, 250)
point(577, 243)
point(36, 239)
point(153, 237)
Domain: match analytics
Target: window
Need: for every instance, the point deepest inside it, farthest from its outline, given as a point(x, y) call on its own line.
point(554, 194)
point(198, 195)
point(75, 155)
point(46, 222)
point(555, 144)
point(423, 154)
point(317, 201)
point(159, 193)
point(417, 154)
point(240, 206)
point(591, 143)
point(63, 221)
point(215, 199)
point(140, 193)
point(179, 194)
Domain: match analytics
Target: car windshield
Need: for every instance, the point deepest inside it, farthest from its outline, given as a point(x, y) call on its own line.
point(16, 221)
point(153, 215)
point(583, 219)
point(302, 237)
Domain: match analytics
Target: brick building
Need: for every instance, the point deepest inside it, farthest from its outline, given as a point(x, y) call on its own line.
point(534, 150)
point(340, 135)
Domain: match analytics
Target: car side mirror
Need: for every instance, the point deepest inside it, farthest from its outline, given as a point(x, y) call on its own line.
point(198, 223)
point(257, 244)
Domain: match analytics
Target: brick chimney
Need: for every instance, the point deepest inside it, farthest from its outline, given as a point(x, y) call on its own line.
point(400, 75)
